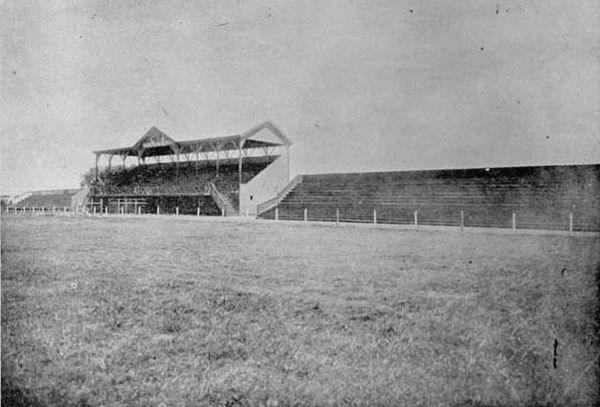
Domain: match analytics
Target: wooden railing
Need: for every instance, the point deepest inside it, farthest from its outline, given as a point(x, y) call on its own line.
point(273, 202)
point(222, 201)
point(79, 200)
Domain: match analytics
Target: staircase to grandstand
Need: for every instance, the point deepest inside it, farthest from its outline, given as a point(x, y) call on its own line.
point(539, 197)
point(80, 199)
point(17, 199)
point(222, 201)
point(272, 203)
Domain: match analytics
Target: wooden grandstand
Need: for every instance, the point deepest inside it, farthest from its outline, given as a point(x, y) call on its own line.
point(248, 174)
point(44, 201)
point(214, 176)
point(542, 197)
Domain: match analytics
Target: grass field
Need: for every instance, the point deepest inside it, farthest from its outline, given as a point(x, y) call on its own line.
point(166, 312)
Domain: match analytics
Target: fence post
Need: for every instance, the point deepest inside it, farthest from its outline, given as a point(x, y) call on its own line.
point(43, 210)
point(276, 213)
point(305, 215)
point(375, 216)
point(570, 221)
point(54, 210)
point(337, 216)
point(106, 210)
point(197, 211)
point(416, 218)
point(223, 212)
point(139, 210)
point(177, 211)
point(64, 209)
point(462, 220)
point(514, 222)
point(94, 210)
point(158, 209)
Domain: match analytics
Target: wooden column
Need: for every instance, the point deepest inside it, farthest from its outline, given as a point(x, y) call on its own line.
point(240, 166)
point(177, 166)
point(217, 161)
point(97, 158)
point(571, 222)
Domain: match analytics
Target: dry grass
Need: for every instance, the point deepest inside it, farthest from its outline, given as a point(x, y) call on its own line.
point(185, 313)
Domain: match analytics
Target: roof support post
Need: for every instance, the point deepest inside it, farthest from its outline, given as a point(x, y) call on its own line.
point(241, 155)
point(240, 166)
point(218, 160)
point(110, 157)
point(97, 158)
point(177, 166)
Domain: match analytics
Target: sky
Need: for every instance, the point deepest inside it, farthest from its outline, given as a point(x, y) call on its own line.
point(356, 85)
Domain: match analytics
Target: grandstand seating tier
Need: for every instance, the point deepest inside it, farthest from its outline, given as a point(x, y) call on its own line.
point(58, 200)
point(540, 197)
point(167, 181)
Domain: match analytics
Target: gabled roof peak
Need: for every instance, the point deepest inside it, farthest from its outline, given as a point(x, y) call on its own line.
point(156, 142)
point(154, 137)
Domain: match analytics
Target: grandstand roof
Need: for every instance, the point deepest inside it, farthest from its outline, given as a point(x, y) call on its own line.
point(157, 143)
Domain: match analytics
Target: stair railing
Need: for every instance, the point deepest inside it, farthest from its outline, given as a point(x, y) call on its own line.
point(221, 200)
point(273, 202)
